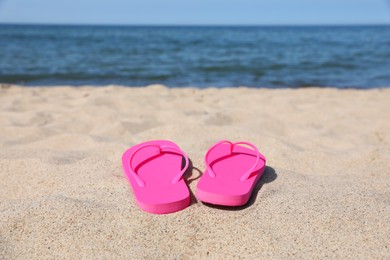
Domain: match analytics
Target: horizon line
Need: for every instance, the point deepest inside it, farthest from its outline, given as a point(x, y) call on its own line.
point(196, 25)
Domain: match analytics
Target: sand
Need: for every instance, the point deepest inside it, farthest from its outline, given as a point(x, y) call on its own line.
point(325, 192)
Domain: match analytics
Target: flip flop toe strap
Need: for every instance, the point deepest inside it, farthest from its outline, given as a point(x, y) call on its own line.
point(159, 149)
point(232, 145)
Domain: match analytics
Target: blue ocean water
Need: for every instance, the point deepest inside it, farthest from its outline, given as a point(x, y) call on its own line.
point(345, 56)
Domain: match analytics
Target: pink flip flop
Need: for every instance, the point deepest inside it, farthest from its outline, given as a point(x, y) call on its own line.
point(154, 170)
point(232, 172)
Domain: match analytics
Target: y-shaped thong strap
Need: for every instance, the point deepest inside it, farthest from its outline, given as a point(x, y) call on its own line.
point(159, 150)
point(232, 145)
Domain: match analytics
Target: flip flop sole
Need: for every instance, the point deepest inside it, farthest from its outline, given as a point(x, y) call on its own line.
point(159, 195)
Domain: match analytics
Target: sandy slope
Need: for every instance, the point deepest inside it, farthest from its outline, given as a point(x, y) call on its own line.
point(326, 191)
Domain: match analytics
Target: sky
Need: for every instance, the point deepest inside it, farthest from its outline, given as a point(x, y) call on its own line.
point(196, 12)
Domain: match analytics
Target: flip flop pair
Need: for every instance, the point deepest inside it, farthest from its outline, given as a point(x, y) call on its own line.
point(155, 171)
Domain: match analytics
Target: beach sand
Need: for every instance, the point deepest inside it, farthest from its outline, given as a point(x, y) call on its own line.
point(325, 192)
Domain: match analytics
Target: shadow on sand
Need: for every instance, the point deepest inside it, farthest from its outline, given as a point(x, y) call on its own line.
point(269, 176)
point(192, 174)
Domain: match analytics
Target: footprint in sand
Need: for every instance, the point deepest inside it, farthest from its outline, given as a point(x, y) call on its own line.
point(67, 158)
point(138, 127)
point(219, 119)
point(195, 113)
point(36, 119)
point(41, 119)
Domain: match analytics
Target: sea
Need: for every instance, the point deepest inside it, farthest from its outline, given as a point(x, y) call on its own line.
point(196, 56)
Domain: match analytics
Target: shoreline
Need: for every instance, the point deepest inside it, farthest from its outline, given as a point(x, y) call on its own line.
point(12, 85)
